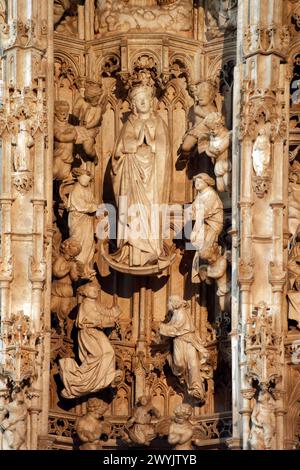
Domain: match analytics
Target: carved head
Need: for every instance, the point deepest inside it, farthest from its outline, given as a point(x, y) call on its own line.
point(176, 302)
point(144, 400)
point(214, 121)
point(70, 248)
point(141, 98)
point(61, 110)
point(205, 92)
point(202, 181)
point(83, 176)
point(183, 412)
point(92, 92)
point(89, 290)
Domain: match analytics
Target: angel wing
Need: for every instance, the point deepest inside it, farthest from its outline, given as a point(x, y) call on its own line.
point(162, 428)
point(65, 189)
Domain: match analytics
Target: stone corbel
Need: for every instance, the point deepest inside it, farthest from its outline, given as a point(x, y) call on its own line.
point(37, 270)
point(6, 269)
point(266, 39)
point(245, 273)
point(277, 276)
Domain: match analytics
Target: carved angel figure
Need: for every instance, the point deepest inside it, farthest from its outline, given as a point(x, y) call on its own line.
point(140, 429)
point(204, 93)
point(208, 214)
point(190, 359)
point(82, 209)
point(13, 421)
point(66, 269)
point(89, 110)
point(209, 133)
point(97, 356)
point(263, 423)
point(91, 426)
point(181, 429)
point(261, 154)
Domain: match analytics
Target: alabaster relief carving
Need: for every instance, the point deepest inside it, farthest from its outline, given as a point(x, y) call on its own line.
point(189, 360)
point(294, 197)
point(208, 133)
point(97, 356)
point(141, 181)
point(141, 427)
point(146, 15)
point(91, 426)
point(263, 423)
point(65, 136)
point(221, 17)
point(13, 421)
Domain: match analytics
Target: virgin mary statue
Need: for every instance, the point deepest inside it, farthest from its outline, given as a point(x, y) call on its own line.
point(141, 167)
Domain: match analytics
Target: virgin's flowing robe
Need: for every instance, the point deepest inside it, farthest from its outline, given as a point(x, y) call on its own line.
point(141, 181)
point(98, 364)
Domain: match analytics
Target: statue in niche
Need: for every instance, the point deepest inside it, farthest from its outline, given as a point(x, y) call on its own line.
point(92, 426)
point(65, 136)
point(66, 269)
point(89, 111)
point(82, 208)
point(141, 166)
point(189, 360)
point(263, 423)
point(294, 197)
point(98, 362)
point(294, 280)
point(13, 421)
point(140, 429)
point(22, 142)
point(208, 133)
point(208, 213)
point(261, 154)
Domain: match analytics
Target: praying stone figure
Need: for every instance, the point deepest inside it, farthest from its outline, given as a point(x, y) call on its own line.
point(82, 209)
point(13, 421)
point(65, 269)
point(22, 142)
point(141, 169)
point(209, 218)
point(261, 154)
point(97, 356)
point(189, 359)
point(263, 423)
point(140, 428)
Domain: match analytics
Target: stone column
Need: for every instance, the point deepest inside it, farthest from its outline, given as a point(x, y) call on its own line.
point(261, 220)
point(26, 117)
